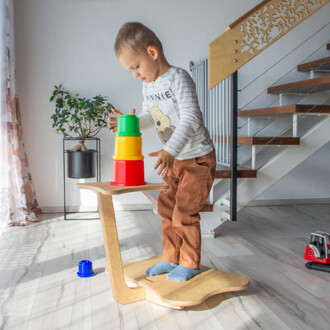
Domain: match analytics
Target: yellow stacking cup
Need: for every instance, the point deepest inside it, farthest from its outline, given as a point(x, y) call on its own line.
point(128, 148)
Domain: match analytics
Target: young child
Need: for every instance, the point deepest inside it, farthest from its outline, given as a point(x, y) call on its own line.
point(187, 159)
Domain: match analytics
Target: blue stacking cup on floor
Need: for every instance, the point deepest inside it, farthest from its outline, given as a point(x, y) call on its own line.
point(85, 268)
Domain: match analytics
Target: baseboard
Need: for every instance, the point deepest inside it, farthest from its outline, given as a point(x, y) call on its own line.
point(150, 206)
point(121, 207)
point(302, 201)
point(134, 207)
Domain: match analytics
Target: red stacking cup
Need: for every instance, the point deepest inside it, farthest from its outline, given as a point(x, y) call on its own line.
point(128, 173)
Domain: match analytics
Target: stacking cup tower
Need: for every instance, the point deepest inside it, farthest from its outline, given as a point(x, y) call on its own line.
point(128, 165)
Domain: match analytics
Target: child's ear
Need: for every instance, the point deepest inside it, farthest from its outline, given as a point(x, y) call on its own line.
point(153, 51)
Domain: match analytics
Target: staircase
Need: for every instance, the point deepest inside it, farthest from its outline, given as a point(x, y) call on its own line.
point(255, 181)
point(298, 148)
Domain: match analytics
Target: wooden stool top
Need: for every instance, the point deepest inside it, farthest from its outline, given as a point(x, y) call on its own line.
point(106, 188)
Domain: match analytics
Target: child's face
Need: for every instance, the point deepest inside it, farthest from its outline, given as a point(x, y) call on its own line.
point(143, 65)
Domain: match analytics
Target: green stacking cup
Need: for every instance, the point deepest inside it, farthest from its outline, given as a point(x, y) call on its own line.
point(128, 125)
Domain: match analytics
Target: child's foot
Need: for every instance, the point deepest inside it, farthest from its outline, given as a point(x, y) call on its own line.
point(160, 268)
point(181, 273)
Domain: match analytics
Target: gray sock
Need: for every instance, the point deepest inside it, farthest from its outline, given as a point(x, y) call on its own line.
point(160, 268)
point(181, 273)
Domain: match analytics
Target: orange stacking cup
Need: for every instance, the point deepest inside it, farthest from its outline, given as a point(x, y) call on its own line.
point(128, 148)
point(128, 173)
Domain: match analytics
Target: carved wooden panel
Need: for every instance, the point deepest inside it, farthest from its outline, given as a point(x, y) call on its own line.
point(252, 33)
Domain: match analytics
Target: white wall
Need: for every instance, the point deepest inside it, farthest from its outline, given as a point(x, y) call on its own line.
point(309, 180)
point(71, 42)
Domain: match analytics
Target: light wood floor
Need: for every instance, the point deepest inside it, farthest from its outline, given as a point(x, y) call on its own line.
point(40, 288)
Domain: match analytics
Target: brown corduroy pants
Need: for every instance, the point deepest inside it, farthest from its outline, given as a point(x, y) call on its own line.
point(189, 183)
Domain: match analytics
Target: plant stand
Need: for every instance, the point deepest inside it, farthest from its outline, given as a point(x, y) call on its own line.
point(97, 148)
point(156, 289)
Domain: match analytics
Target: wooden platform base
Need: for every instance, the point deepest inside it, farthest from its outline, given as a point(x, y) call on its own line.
point(156, 289)
point(178, 295)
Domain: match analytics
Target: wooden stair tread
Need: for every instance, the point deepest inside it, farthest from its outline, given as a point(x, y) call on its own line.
point(262, 140)
point(153, 195)
point(223, 172)
point(321, 64)
point(287, 109)
point(304, 86)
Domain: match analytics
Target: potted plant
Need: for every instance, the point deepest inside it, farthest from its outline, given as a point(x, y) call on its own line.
point(79, 118)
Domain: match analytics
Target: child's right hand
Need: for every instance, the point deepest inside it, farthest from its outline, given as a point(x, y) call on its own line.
point(113, 120)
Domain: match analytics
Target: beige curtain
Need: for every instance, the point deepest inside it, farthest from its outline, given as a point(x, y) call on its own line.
point(18, 204)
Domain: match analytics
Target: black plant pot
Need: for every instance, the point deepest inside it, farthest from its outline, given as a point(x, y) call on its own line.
point(81, 164)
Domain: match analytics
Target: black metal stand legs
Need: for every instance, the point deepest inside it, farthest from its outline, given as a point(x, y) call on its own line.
point(78, 171)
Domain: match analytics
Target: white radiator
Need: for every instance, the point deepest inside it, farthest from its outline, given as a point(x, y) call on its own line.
point(216, 106)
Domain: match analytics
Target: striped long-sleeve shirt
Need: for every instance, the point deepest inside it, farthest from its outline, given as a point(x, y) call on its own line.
point(170, 103)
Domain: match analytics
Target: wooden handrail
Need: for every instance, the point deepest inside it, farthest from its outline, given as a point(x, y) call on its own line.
point(247, 14)
point(253, 32)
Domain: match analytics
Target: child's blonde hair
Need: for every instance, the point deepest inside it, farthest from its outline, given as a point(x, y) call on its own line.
point(136, 36)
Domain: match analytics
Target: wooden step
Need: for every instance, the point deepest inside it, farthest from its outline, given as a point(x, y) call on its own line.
point(223, 172)
point(153, 195)
point(321, 64)
point(328, 46)
point(302, 109)
point(305, 86)
point(208, 207)
point(261, 140)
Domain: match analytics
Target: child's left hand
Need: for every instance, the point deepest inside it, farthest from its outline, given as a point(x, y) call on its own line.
point(165, 161)
point(113, 120)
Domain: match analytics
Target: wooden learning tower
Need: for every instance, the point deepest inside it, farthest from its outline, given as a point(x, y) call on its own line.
point(129, 283)
point(128, 165)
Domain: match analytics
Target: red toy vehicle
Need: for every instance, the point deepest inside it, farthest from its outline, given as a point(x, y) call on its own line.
point(318, 251)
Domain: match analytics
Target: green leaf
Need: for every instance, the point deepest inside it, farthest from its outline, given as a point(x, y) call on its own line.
point(77, 114)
